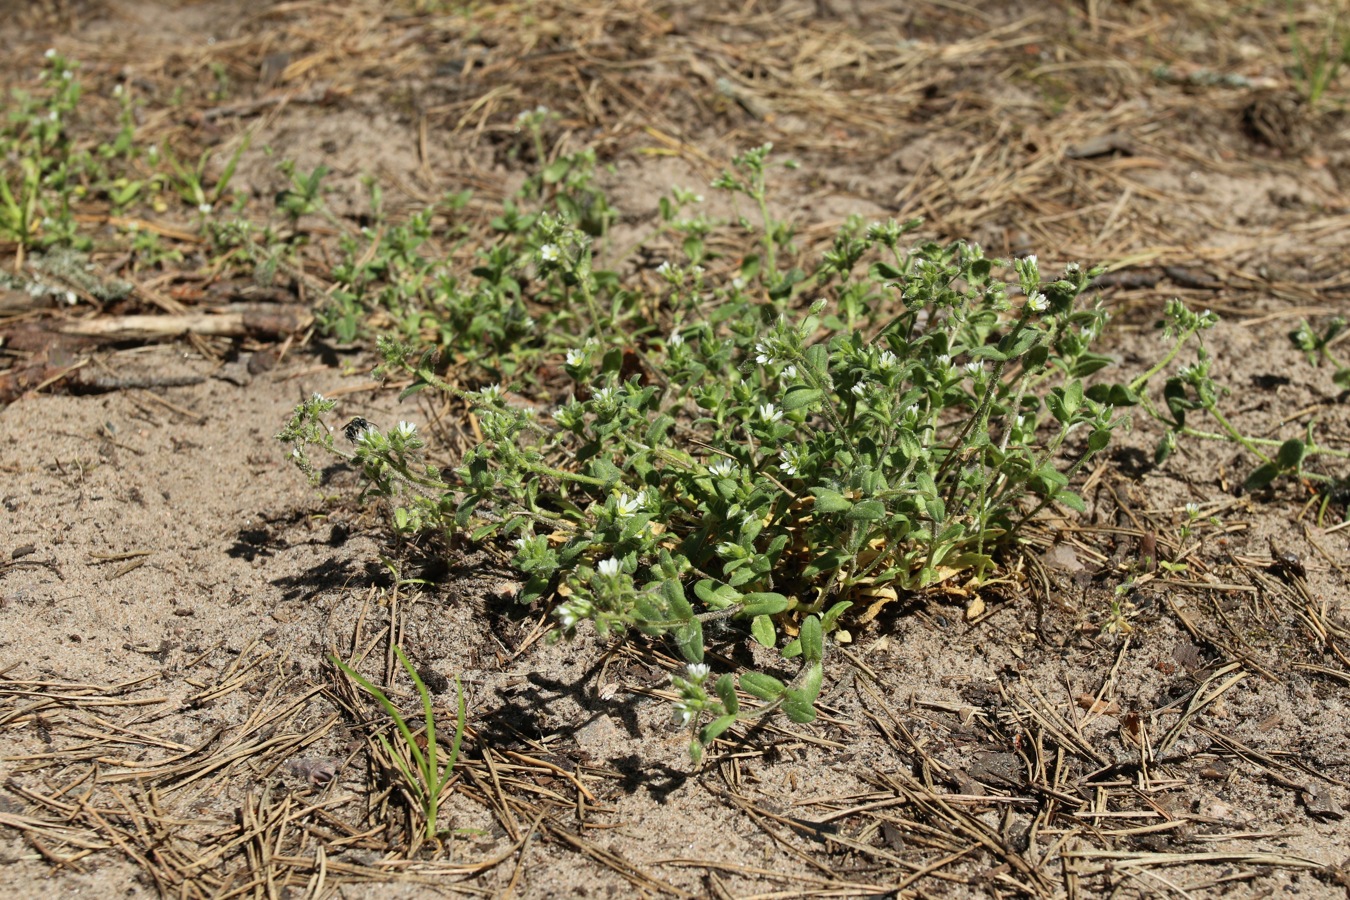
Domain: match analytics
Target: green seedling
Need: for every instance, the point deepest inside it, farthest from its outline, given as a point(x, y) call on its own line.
point(424, 776)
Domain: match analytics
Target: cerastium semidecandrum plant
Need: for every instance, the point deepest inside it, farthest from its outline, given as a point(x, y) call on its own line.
point(793, 446)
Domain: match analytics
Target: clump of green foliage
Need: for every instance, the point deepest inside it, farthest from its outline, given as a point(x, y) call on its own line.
point(760, 454)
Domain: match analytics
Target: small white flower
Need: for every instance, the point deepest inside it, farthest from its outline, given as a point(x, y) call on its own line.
point(405, 430)
point(608, 567)
point(576, 357)
point(723, 468)
point(51, 52)
point(762, 354)
point(675, 339)
point(738, 283)
point(550, 253)
point(1031, 260)
point(698, 270)
point(117, 90)
point(1193, 510)
point(521, 542)
point(604, 396)
point(1036, 302)
point(204, 208)
point(887, 360)
point(67, 75)
point(974, 368)
point(683, 715)
point(944, 360)
point(697, 671)
point(770, 413)
point(789, 372)
point(664, 268)
point(626, 507)
point(1073, 268)
point(788, 466)
point(53, 115)
point(858, 389)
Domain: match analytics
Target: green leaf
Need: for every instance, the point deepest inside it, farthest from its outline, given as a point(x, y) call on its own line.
point(765, 687)
point(832, 615)
point(799, 396)
point(867, 511)
point(828, 501)
point(813, 640)
point(761, 628)
point(1113, 395)
point(763, 603)
point(689, 639)
point(715, 594)
point(1098, 440)
point(714, 729)
point(1072, 501)
point(800, 703)
point(1174, 393)
point(1167, 445)
point(673, 592)
point(1291, 454)
point(726, 692)
point(1262, 477)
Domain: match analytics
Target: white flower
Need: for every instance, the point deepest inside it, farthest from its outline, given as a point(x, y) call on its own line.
point(738, 283)
point(576, 357)
point(697, 671)
point(858, 389)
point(1036, 302)
point(788, 466)
point(683, 715)
point(723, 468)
point(51, 52)
point(770, 413)
point(974, 368)
point(1193, 510)
point(204, 208)
point(117, 90)
point(1072, 268)
point(789, 372)
point(608, 567)
point(887, 360)
point(626, 508)
point(549, 253)
point(405, 430)
point(521, 542)
point(491, 393)
point(604, 396)
point(676, 339)
point(664, 268)
point(53, 115)
point(763, 356)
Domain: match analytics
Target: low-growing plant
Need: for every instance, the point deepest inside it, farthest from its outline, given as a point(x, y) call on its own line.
point(761, 467)
point(416, 755)
point(1193, 389)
